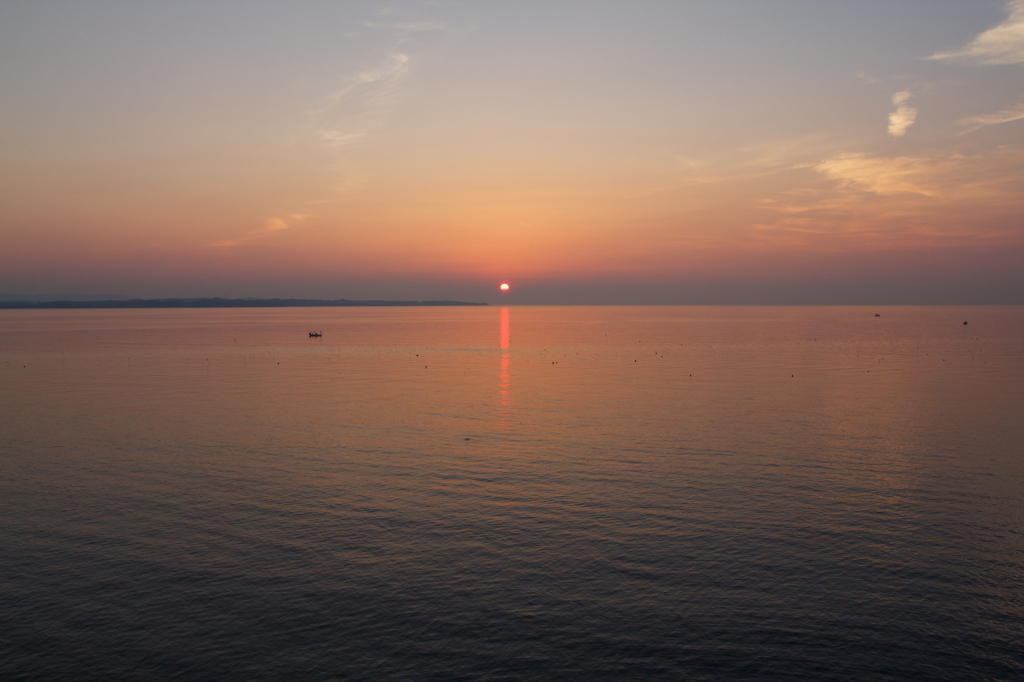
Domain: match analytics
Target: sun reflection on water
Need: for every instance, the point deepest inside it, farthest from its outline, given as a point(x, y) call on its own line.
point(504, 376)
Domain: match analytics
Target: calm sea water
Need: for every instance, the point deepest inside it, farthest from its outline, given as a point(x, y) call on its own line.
point(512, 494)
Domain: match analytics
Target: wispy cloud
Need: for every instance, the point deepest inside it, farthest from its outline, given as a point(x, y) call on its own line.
point(905, 200)
point(270, 225)
point(879, 175)
point(408, 26)
point(339, 138)
point(352, 111)
point(390, 69)
point(1003, 44)
point(1004, 116)
point(991, 177)
point(348, 115)
point(903, 117)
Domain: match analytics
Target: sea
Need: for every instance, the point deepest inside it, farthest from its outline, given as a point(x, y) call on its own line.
point(512, 493)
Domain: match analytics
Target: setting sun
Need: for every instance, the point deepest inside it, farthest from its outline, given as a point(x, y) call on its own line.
point(504, 286)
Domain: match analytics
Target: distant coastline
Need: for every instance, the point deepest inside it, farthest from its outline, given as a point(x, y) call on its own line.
point(224, 303)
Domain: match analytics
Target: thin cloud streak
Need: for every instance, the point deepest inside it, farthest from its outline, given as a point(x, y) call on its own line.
point(270, 225)
point(355, 109)
point(392, 67)
point(1003, 44)
point(412, 26)
point(878, 175)
point(1004, 116)
point(909, 201)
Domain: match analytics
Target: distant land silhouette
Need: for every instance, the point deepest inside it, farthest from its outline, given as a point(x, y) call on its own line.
point(222, 303)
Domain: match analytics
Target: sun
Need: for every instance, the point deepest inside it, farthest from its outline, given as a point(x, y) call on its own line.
point(504, 286)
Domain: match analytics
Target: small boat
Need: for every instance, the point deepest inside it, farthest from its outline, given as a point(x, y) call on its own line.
point(315, 334)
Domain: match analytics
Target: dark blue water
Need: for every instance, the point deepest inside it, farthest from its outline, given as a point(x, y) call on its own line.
point(528, 494)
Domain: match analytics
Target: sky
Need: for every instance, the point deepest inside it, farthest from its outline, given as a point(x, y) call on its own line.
point(762, 152)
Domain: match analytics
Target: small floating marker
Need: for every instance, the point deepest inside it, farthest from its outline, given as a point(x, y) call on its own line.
point(965, 322)
point(877, 315)
point(465, 439)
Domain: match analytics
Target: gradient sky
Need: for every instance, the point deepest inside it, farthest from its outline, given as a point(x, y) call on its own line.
point(586, 152)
